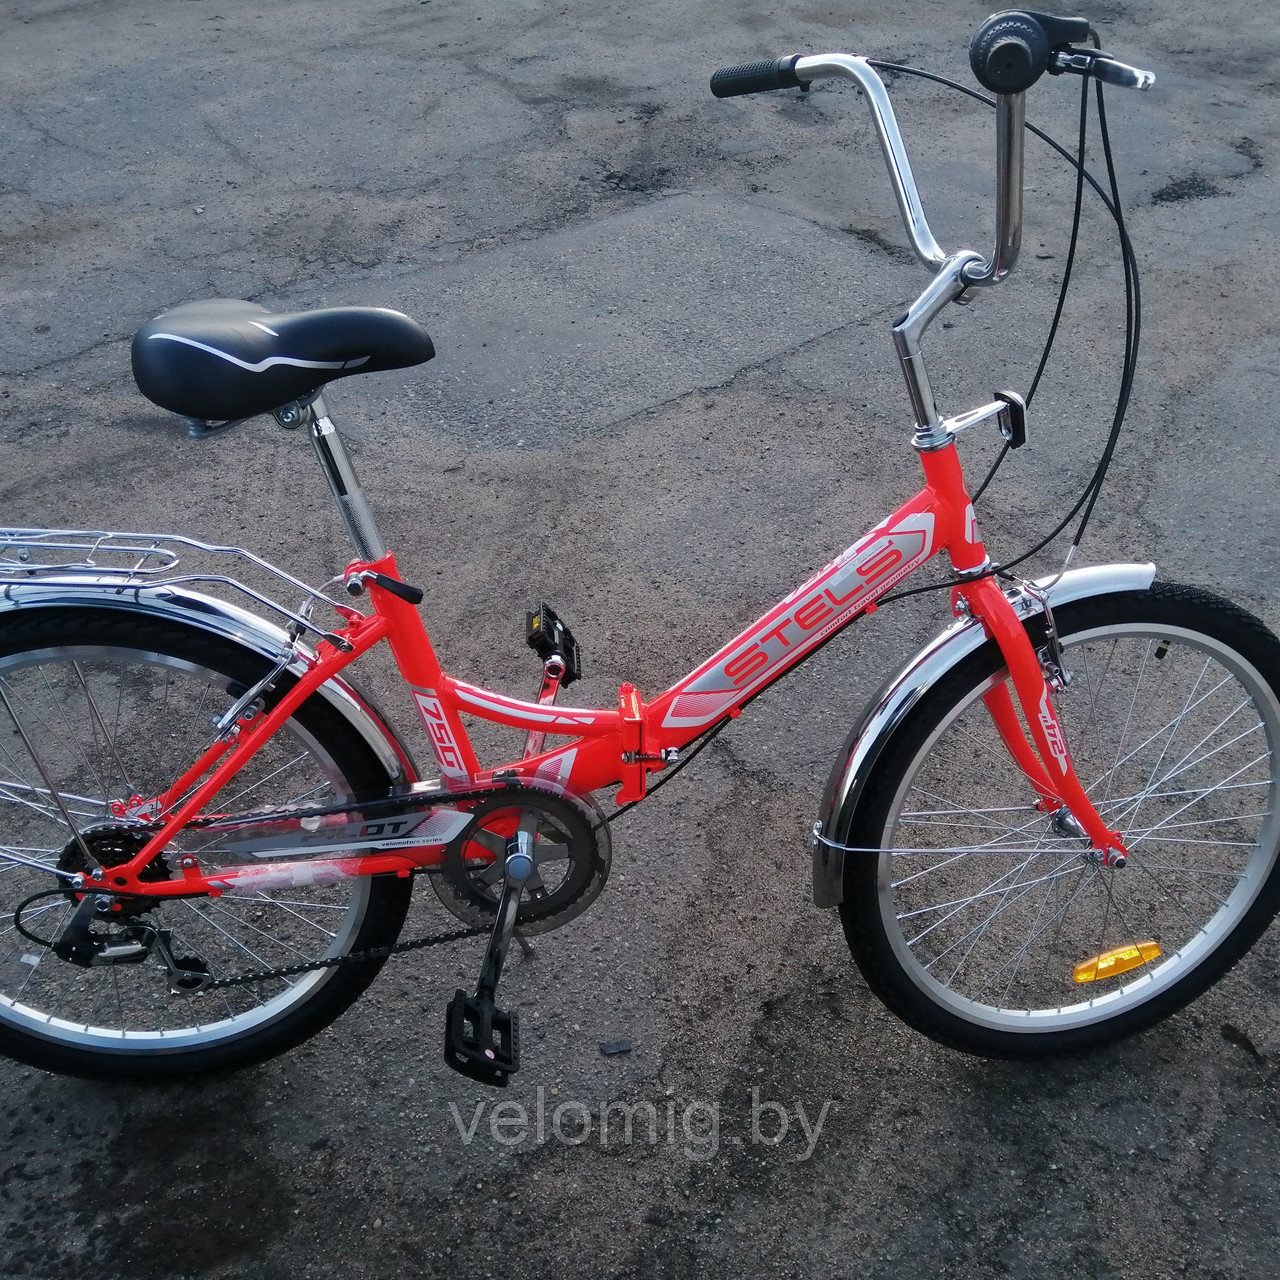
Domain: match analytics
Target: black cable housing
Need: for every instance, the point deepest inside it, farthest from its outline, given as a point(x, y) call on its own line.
point(1133, 312)
point(1133, 329)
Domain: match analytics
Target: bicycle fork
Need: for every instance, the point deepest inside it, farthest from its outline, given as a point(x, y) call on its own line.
point(1048, 767)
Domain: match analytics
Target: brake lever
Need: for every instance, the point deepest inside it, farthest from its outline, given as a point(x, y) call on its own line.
point(1102, 66)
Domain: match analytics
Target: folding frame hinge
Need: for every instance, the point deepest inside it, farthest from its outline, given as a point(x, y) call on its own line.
point(632, 763)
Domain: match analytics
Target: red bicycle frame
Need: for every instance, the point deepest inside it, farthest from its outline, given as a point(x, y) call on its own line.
point(624, 744)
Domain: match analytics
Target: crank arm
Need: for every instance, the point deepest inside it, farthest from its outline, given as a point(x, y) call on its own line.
point(482, 1041)
point(518, 868)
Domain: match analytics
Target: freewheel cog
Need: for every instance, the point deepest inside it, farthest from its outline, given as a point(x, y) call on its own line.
point(110, 846)
point(571, 855)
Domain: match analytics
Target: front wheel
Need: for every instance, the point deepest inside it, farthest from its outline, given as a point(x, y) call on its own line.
point(992, 928)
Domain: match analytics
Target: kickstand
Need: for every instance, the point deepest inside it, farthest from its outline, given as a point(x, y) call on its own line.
point(482, 1041)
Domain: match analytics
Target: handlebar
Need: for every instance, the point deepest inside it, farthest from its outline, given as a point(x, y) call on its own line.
point(1009, 52)
point(901, 179)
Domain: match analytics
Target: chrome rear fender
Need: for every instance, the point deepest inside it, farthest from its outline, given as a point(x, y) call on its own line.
point(228, 621)
point(890, 706)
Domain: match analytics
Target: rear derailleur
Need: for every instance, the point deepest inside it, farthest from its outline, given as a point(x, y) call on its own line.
point(129, 940)
point(80, 944)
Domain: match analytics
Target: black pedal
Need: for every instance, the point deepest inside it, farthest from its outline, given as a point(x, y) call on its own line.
point(481, 1041)
point(547, 635)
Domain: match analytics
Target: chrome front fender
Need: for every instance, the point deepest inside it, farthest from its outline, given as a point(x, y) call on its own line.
point(890, 706)
point(227, 621)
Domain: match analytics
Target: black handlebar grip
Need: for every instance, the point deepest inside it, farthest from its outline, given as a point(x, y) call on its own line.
point(1010, 51)
point(756, 77)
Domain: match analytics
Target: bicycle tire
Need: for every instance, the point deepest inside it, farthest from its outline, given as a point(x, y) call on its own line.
point(96, 689)
point(972, 927)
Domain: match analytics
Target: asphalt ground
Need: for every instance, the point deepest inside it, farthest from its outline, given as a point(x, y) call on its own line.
point(664, 393)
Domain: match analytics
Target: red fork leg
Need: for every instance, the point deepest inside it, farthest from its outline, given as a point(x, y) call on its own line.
point(1000, 705)
point(988, 603)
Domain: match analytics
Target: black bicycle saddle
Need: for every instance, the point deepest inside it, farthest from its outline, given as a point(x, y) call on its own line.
point(229, 359)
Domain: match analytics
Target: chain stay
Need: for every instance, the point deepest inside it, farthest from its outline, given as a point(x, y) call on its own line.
point(407, 801)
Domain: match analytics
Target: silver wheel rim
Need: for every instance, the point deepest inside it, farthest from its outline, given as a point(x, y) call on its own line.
point(1201, 825)
point(89, 756)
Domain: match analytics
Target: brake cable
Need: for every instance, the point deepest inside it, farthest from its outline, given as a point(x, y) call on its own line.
point(1133, 315)
point(1132, 332)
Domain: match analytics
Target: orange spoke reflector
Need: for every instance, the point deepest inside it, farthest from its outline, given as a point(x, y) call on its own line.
point(1117, 960)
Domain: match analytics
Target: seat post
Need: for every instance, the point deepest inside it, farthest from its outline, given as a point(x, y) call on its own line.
point(341, 474)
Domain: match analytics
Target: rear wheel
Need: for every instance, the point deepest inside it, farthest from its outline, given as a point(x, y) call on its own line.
point(977, 916)
point(96, 706)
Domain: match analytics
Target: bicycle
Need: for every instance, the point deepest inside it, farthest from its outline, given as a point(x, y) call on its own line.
point(1055, 825)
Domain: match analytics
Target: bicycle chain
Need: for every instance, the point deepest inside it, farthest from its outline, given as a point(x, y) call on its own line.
point(331, 962)
point(354, 957)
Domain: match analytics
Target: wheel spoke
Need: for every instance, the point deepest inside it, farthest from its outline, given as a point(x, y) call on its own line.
point(77, 711)
point(1176, 739)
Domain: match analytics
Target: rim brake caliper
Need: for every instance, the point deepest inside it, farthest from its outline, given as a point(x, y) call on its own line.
point(1051, 661)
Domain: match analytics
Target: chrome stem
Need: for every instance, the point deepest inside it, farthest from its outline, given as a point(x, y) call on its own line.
point(944, 288)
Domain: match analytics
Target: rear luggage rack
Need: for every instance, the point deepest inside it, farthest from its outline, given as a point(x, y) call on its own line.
point(120, 562)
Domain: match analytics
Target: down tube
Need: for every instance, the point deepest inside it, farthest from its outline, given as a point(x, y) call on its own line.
point(829, 600)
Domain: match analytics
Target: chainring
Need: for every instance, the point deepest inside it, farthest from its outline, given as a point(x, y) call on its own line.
point(572, 853)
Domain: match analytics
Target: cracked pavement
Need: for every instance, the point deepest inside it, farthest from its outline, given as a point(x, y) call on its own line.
point(664, 393)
